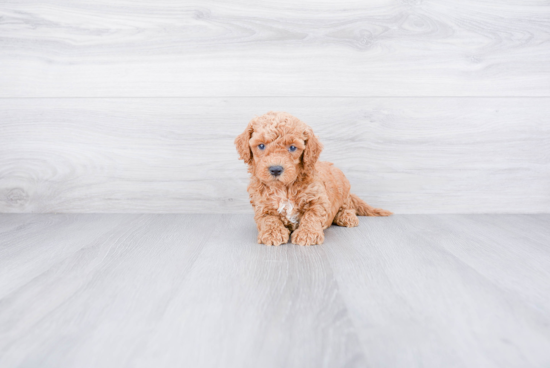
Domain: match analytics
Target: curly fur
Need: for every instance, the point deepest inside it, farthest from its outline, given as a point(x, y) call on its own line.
point(308, 196)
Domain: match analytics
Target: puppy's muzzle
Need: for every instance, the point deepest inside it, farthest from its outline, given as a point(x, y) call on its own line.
point(276, 170)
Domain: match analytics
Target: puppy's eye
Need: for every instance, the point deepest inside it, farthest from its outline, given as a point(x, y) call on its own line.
point(292, 148)
point(261, 146)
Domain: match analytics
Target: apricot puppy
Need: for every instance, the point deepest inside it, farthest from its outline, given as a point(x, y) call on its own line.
point(290, 191)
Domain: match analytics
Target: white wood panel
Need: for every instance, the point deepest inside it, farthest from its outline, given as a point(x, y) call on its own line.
point(66, 48)
point(410, 155)
point(144, 291)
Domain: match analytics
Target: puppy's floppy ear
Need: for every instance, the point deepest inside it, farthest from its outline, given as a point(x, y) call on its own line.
point(242, 144)
point(312, 151)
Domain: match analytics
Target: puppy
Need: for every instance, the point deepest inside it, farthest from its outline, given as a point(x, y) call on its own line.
point(290, 191)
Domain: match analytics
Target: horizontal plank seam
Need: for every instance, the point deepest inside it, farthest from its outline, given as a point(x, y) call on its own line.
point(227, 97)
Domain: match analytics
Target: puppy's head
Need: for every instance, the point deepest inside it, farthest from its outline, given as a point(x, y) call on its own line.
point(279, 148)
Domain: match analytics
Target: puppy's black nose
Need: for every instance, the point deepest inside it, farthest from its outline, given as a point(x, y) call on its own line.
point(276, 170)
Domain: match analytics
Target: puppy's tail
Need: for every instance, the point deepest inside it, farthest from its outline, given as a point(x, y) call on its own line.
point(363, 209)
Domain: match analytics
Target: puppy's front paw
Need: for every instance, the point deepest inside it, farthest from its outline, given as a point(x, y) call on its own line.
point(274, 235)
point(308, 236)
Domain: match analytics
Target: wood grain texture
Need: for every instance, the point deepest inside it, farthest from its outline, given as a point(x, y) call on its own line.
point(123, 48)
point(434, 291)
point(171, 290)
point(198, 291)
point(410, 155)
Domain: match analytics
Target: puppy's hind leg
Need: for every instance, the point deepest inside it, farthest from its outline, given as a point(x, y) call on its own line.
point(346, 215)
point(346, 218)
point(363, 209)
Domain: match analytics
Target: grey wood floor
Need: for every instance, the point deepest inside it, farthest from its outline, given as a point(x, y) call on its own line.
point(106, 290)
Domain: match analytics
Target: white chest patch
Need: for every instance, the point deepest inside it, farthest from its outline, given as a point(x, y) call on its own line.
point(287, 207)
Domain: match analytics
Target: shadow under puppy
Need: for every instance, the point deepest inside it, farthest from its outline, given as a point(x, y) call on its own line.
point(290, 190)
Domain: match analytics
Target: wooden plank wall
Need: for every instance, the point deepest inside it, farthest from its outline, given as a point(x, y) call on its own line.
point(132, 106)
